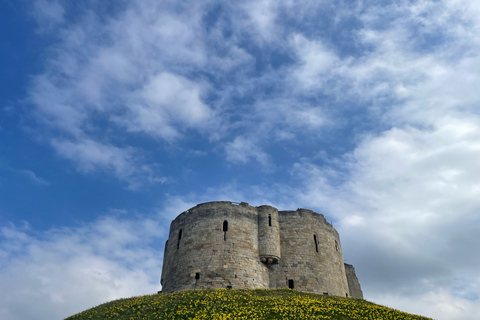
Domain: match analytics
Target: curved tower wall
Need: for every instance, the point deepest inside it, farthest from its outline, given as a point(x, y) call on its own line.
point(268, 235)
point(311, 255)
point(223, 244)
point(218, 249)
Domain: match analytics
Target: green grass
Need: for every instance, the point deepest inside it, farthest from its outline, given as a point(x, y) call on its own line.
point(241, 304)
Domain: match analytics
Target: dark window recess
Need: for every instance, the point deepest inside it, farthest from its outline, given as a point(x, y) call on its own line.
point(316, 243)
point(291, 284)
point(229, 287)
point(336, 245)
point(325, 293)
point(179, 238)
point(235, 276)
point(346, 295)
point(269, 220)
point(197, 275)
point(225, 229)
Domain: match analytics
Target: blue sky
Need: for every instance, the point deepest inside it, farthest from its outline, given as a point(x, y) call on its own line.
point(116, 116)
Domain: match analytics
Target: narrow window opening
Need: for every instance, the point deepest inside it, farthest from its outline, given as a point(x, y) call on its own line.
point(229, 287)
point(346, 295)
point(225, 229)
point(325, 293)
point(235, 276)
point(197, 275)
point(336, 245)
point(269, 220)
point(179, 238)
point(316, 243)
point(291, 284)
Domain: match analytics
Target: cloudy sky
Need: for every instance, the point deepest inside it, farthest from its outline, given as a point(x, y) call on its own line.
point(115, 116)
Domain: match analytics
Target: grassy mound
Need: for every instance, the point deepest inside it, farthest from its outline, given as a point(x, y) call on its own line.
point(241, 304)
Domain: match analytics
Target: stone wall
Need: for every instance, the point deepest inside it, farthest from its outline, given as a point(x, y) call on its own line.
point(311, 255)
point(229, 245)
point(355, 291)
point(206, 256)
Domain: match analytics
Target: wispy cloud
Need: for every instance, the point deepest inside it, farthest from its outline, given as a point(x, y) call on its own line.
point(90, 156)
point(48, 13)
point(64, 271)
point(166, 102)
point(32, 176)
point(243, 150)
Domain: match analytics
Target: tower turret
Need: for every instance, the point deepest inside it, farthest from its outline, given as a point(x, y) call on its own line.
point(268, 235)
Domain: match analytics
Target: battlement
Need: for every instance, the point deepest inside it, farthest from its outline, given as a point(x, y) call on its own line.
point(230, 244)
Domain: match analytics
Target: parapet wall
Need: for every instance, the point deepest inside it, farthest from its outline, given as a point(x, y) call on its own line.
point(234, 245)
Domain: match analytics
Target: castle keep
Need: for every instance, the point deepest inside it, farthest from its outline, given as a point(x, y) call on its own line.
point(225, 244)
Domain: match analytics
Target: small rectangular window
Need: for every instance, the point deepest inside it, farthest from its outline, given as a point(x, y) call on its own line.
point(179, 238)
point(269, 220)
point(316, 243)
point(197, 275)
point(225, 229)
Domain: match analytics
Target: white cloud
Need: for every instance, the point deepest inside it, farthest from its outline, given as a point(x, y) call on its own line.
point(179, 96)
point(439, 304)
point(90, 155)
point(65, 271)
point(166, 101)
point(262, 17)
point(32, 176)
point(242, 150)
point(48, 13)
point(29, 174)
point(55, 107)
point(316, 65)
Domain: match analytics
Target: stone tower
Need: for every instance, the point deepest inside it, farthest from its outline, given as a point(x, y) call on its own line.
point(225, 244)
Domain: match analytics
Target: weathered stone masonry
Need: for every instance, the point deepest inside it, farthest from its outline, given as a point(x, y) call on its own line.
point(224, 244)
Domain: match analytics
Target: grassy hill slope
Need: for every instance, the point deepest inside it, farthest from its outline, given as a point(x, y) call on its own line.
point(241, 304)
